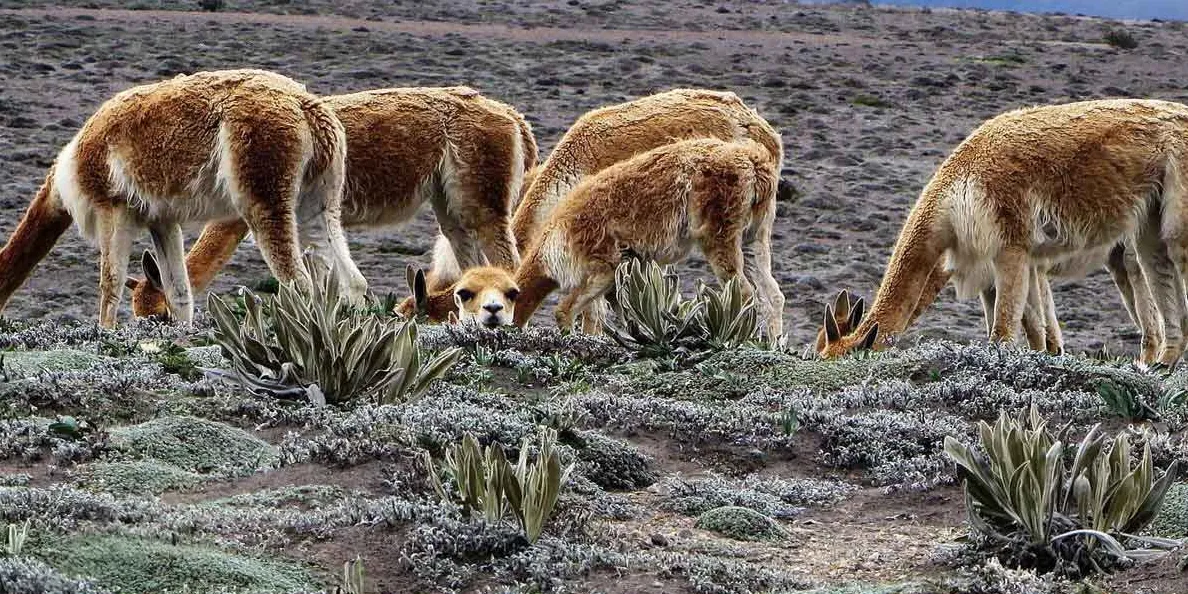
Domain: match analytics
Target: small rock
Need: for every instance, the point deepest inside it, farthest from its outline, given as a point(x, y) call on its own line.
point(659, 540)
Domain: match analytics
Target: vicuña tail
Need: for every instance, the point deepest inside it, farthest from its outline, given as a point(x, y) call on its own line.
point(44, 222)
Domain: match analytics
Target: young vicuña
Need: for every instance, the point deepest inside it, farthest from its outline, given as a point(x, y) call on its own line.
point(718, 195)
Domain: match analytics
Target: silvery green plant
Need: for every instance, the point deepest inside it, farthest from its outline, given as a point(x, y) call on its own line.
point(726, 318)
point(352, 578)
point(656, 321)
point(1030, 504)
point(316, 347)
point(486, 481)
point(16, 537)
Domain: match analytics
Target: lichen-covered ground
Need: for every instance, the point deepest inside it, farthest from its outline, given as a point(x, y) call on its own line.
point(745, 471)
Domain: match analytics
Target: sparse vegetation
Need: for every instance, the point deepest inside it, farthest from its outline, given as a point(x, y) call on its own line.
point(486, 482)
point(654, 319)
point(136, 472)
point(1120, 39)
point(1131, 403)
point(15, 539)
point(870, 101)
point(1035, 511)
point(316, 348)
point(740, 523)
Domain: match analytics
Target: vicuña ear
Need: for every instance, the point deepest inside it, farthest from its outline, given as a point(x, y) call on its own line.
point(131, 283)
point(841, 305)
point(151, 272)
point(420, 292)
point(832, 333)
point(872, 335)
point(857, 309)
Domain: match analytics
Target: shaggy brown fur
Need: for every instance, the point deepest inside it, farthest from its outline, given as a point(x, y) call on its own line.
point(464, 153)
point(658, 204)
point(1041, 188)
point(606, 136)
point(195, 148)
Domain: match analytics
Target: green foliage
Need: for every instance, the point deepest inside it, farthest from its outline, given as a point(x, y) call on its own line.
point(212, 5)
point(15, 539)
point(69, 428)
point(726, 319)
point(266, 285)
point(1120, 39)
point(562, 367)
point(870, 101)
point(352, 578)
point(1131, 404)
point(138, 477)
point(483, 356)
point(30, 363)
point(656, 321)
point(194, 445)
point(1039, 512)
point(174, 359)
point(740, 523)
point(137, 565)
point(789, 421)
point(487, 482)
point(316, 347)
point(1172, 521)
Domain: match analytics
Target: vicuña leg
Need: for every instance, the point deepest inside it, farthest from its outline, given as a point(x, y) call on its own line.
point(115, 245)
point(1011, 271)
point(1166, 291)
point(597, 282)
point(768, 297)
point(170, 247)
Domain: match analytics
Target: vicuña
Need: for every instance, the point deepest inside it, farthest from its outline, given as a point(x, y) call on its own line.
point(597, 140)
point(718, 195)
point(209, 146)
point(1036, 191)
point(463, 153)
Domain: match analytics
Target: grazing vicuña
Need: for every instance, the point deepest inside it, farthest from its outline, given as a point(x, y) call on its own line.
point(599, 139)
point(209, 146)
point(1037, 188)
point(464, 153)
point(657, 205)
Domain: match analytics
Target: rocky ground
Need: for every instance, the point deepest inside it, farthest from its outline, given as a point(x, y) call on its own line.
point(182, 482)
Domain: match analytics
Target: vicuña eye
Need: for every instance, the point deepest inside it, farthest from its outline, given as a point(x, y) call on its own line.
point(465, 294)
point(511, 294)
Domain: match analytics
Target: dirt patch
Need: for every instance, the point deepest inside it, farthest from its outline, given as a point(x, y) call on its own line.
point(366, 478)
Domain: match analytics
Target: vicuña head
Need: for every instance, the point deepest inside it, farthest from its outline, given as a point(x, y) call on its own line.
point(487, 296)
point(840, 320)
